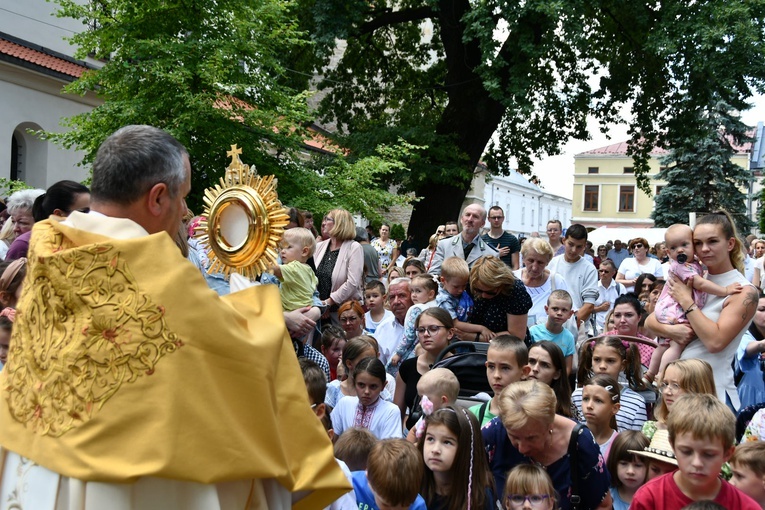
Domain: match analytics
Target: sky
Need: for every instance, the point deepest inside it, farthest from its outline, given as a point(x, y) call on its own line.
point(557, 173)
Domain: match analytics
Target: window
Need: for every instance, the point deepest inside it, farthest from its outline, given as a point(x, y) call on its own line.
point(629, 170)
point(658, 190)
point(592, 170)
point(626, 198)
point(591, 195)
point(523, 215)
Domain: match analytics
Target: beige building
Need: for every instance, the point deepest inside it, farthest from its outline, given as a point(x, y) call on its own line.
point(606, 192)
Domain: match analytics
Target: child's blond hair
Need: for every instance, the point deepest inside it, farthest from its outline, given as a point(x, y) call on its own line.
point(442, 381)
point(704, 417)
point(353, 447)
point(561, 295)
point(751, 455)
point(511, 343)
point(301, 237)
point(394, 471)
point(528, 479)
point(455, 267)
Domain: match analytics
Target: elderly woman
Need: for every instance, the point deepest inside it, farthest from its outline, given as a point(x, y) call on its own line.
point(538, 280)
point(20, 208)
point(639, 263)
point(528, 431)
point(501, 301)
point(339, 261)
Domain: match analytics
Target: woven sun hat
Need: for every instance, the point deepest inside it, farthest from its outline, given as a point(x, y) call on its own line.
point(659, 449)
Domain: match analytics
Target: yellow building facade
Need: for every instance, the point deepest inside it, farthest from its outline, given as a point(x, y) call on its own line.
point(606, 192)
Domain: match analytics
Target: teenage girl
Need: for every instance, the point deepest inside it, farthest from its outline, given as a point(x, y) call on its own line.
point(367, 410)
point(457, 475)
point(628, 471)
point(612, 356)
point(529, 486)
point(333, 341)
point(354, 351)
point(600, 403)
point(548, 365)
point(424, 291)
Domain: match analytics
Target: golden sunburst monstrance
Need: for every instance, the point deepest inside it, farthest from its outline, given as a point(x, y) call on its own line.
point(244, 220)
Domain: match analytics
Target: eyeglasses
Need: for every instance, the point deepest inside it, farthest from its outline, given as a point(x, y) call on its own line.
point(637, 245)
point(432, 329)
point(328, 219)
point(536, 500)
point(671, 386)
point(496, 217)
point(486, 293)
point(348, 320)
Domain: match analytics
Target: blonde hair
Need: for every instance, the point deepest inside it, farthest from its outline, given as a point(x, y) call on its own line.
point(442, 381)
point(492, 272)
point(526, 401)
point(344, 228)
point(751, 455)
point(301, 237)
point(695, 377)
point(455, 267)
point(526, 479)
point(538, 245)
point(704, 417)
point(394, 471)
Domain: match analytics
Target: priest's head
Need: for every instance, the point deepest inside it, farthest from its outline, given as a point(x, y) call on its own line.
point(142, 173)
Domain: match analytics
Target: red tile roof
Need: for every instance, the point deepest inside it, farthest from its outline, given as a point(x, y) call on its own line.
point(41, 59)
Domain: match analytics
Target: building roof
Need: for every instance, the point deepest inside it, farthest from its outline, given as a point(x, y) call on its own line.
point(36, 57)
point(620, 149)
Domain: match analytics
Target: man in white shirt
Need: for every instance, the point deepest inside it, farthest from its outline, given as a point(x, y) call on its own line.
point(608, 291)
point(390, 331)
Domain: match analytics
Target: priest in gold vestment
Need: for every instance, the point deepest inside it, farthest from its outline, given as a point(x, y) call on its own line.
point(130, 384)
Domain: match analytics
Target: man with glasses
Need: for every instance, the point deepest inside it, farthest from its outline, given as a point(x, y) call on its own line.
point(469, 246)
point(554, 230)
point(504, 242)
point(618, 253)
point(608, 290)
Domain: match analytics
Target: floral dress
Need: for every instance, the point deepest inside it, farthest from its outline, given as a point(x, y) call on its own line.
point(384, 251)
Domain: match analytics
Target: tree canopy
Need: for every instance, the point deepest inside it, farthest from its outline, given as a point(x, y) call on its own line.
point(449, 74)
point(210, 72)
point(700, 174)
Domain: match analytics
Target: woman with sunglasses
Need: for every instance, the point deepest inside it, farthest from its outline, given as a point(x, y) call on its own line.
point(639, 263)
point(435, 330)
point(502, 302)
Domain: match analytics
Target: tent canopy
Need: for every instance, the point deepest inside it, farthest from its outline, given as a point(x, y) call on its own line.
point(601, 235)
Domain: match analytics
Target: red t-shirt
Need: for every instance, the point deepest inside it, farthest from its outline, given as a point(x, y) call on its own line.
point(663, 492)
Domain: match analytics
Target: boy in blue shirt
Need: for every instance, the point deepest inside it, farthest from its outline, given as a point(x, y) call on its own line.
point(559, 311)
point(392, 479)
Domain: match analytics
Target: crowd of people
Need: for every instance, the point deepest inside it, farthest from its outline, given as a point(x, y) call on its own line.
point(622, 376)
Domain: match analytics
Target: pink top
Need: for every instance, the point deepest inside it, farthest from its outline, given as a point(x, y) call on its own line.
point(669, 311)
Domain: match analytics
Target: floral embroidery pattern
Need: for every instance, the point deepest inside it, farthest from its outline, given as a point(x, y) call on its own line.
point(85, 330)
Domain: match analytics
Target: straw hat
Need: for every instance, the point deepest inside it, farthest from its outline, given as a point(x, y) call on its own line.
point(659, 449)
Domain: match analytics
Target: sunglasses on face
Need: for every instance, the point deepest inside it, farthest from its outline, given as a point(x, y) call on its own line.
point(637, 245)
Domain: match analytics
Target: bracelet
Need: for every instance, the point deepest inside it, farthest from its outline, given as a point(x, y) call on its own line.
point(691, 308)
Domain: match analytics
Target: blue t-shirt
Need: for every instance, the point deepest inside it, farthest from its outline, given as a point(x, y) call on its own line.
point(459, 308)
point(366, 499)
point(564, 339)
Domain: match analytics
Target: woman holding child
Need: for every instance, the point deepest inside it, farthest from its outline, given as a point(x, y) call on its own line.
point(529, 432)
point(722, 322)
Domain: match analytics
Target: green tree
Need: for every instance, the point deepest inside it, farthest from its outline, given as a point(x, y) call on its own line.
point(700, 174)
point(209, 72)
point(449, 74)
